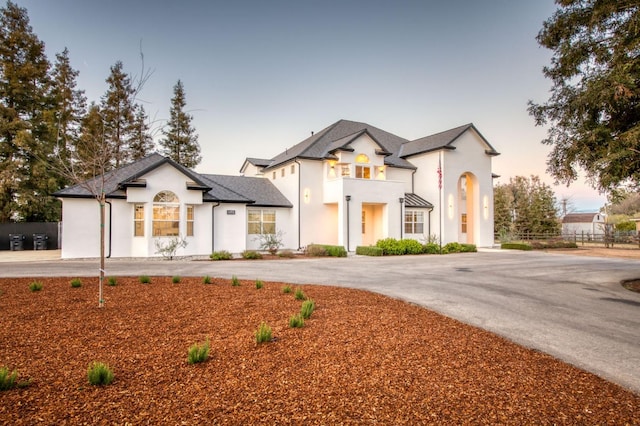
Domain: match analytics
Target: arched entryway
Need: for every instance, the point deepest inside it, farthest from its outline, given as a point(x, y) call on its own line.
point(467, 194)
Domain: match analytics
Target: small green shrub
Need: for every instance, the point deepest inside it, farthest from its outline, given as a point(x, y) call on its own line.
point(296, 321)
point(206, 279)
point(336, 251)
point(286, 253)
point(235, 282)
point(144, 279)
point(221, 255)
point(286, 289)
point(198, 353)
point(299, 294)
point(99, 374)
point(35, 286)
point(515, 246)
point(259, 284)
point(251, 254)
point(7, 379)
point(452, 248)
point(552, 244)
point(315, 250)
point(308, 306)
point(369, 251)
point(431, 248)
point(176, 279)
point(75, 283)
point(411, 246)
point(264, 333)
point(469, 248)
point(390, 247)
point(112, 281)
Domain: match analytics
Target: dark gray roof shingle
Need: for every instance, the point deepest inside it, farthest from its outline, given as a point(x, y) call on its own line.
point(442, 140)
point(257, 191)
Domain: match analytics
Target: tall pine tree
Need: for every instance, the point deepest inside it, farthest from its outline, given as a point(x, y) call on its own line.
point(141, 141)
point(25, 139)
point(180, 142)
point(118, 110)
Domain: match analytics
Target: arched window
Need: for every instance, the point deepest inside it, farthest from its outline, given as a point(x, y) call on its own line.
point(166, 214)
point(363, 170)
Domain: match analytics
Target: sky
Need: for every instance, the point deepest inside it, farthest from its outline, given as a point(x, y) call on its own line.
point(260, 76)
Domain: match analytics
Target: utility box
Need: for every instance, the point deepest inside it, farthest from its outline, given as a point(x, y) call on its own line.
point(16, 242)
point(40, 241)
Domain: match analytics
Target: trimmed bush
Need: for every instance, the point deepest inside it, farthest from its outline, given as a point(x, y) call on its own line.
point(206, 279)
point(469, 248)
point(431, 248)
point(296, 321)
point(552, 244)
point(251, 254)
point(235, 282)
point(221, 255)
point(175, 279)
point(369, 251)
point(75, 283)
point(112, 281)
point(99, 374)
point(411, 246)
point(308, 306)
point(299, 294)
point(144, 279)
point(7, 379)
point(515, 246)
point(198, 353)
point(35, 286)
point(286, 289)
point(390, 247)
point(259, 284)
point(264, 333)
point(326, 250)
point(452, 248)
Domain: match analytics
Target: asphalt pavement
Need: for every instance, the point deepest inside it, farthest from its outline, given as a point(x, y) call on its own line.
point(571, 307)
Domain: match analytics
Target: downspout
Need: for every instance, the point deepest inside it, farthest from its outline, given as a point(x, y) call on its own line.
point(413, 173)
point(347, 199)
point(110, 227)
point(299, 198)
point(213, 226)
point(429, 223)
point(401, 218)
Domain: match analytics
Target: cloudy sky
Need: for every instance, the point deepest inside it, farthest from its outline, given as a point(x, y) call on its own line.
point(259, 76)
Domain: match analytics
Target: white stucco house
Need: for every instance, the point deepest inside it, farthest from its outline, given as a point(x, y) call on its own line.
point(350, 184)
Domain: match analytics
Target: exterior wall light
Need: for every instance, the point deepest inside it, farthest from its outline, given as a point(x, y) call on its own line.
point(307, 195)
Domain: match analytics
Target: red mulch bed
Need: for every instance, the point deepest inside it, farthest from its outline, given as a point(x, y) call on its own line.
point(361, 358)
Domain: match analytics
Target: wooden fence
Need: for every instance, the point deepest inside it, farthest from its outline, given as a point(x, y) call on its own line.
point(629, 238)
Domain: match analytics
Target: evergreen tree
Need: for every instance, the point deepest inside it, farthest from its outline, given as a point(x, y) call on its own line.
point(593, 113)
point(525, 205)
point(141, 142)
point(180, 142)
point(25, 140)
point(92, 155)
point(118, 114)
point(70, 107)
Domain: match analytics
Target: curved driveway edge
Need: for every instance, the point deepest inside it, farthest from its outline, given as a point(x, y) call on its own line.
point(571, 307)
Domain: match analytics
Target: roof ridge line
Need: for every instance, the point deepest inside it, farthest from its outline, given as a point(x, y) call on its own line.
point(325, 130)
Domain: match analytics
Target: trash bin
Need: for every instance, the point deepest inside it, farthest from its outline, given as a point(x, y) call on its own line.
point(40, 241)
point(16, 242)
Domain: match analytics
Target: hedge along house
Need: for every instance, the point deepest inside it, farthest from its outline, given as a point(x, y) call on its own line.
point(350, 184)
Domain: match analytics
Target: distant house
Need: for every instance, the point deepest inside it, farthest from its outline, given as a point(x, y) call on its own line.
point(349, 184)
point(579, 223)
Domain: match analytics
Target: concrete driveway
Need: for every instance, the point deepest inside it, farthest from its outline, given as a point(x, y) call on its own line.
point(571, 307)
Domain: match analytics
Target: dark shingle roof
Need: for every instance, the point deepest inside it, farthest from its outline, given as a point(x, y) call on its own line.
point(413, 200)
point(320, 145)
point(254, 190)
point(442, 140)
point(116, 180)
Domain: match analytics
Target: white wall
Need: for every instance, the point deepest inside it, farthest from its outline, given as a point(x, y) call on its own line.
point(80, 228)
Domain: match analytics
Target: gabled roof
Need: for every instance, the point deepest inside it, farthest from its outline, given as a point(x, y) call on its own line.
point(413, 200)
point(258, 162)
point(115, 181)
point(580, 217)
point(320, 145)
point(254, 190)
point(442, 140)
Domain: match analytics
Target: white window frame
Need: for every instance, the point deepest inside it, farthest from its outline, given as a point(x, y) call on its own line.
point(166, 211)
point(261, 221)
point(415, 224)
